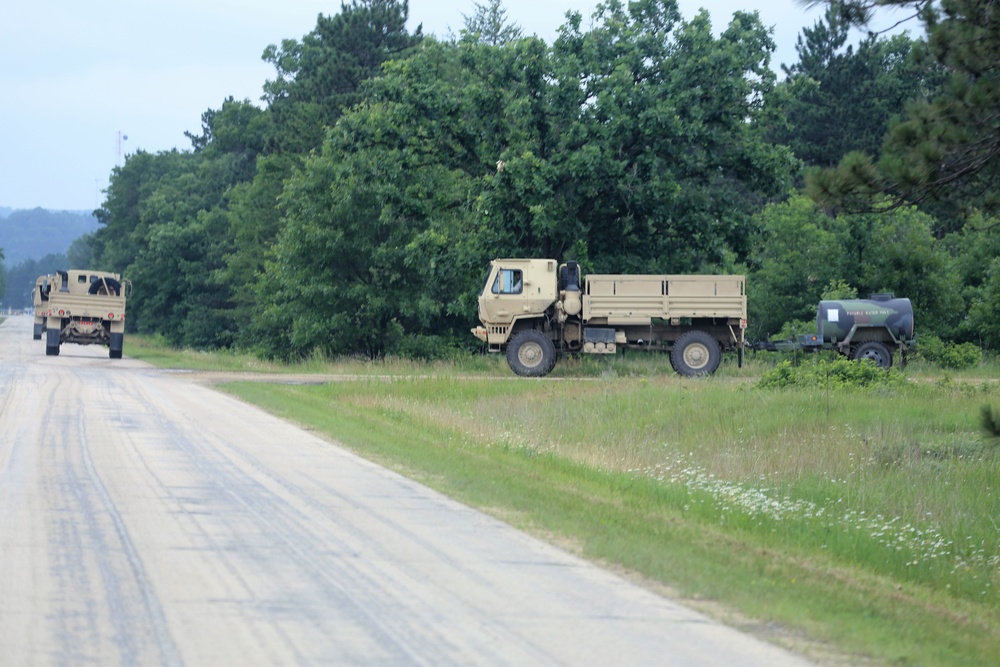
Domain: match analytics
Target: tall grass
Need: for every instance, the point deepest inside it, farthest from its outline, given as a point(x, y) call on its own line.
point(899, 481)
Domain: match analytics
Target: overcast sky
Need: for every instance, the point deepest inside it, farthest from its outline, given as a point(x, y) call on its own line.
point(74, 75)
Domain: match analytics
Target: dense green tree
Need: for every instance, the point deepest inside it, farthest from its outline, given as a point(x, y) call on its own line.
point(841, 99)
point(354, 214)
point(134, 203)
point(235, 135)
point(628, 146)
point(162, 230)
point(908, 261)
point(489, 24)
point(946, 148)
point(361, 265)
point(797, 255)
point(255, 220)
point(192, 229)
point(647, 150)
point(319, 77)
point(984, 310)
point(173, 291)
point(804, 254)
point(974, 252)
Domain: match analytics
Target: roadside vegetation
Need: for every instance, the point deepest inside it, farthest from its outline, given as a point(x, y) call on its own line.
point(353, 209)
point(848, 514)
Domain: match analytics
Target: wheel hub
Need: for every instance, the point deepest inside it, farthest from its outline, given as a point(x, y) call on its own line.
point(530, 354)
point(696, 356)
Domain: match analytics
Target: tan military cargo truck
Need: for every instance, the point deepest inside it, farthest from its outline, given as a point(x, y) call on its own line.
point(535, 309)
point(83, 307)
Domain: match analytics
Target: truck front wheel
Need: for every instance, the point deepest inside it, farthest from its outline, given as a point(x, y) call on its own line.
point(875, 351)
point(695, 353)
point(530, 353)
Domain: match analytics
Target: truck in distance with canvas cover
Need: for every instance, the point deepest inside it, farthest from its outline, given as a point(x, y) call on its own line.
point(534, 310)
point(83, 307)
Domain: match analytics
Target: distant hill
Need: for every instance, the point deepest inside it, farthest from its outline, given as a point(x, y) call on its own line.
point(36, 233)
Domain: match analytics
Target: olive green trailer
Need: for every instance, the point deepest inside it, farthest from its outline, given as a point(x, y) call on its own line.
point(872, 328)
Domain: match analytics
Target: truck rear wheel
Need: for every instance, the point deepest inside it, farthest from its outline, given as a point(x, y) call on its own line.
point(115, 345)
point(695, 353)
point(52, 342)
point(875, 351)
point(530, 353)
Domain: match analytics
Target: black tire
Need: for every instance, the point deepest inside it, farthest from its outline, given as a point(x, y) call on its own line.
point(875, 351)
point(531, 354)
point(115, 345)
point(112, 284)
point(52, 342)
point(695, 354)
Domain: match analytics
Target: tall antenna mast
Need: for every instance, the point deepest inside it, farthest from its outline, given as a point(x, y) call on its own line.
point(118, 147)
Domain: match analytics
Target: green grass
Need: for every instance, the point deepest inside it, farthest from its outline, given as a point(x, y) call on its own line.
point(862, 521)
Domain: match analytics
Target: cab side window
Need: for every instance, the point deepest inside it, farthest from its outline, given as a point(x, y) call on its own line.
point(508, 281)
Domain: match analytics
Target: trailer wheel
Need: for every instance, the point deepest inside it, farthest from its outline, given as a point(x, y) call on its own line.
point(695, 353)
point(530, 353)
point(875, 351)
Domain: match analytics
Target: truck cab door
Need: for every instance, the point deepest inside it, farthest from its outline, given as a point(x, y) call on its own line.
point(503, 297)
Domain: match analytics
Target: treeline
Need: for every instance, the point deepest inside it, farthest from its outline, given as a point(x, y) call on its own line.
point(37, 241)
point(34, 233)
point(356, 211)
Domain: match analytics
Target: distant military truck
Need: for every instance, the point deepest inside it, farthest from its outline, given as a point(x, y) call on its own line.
point(84, 307)
point(40, 297)
point(533, 310)
point(859, 329)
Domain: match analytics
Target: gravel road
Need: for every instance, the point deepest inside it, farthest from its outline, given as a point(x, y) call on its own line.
point(146, 519)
